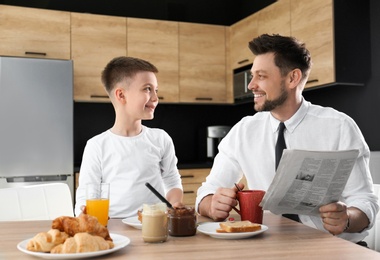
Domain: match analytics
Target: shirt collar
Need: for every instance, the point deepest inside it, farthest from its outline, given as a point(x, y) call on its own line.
point(294, 121)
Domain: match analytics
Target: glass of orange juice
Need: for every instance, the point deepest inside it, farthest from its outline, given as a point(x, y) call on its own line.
point(98, 201)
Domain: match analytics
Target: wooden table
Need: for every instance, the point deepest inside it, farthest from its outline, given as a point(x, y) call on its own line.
point(285, 239)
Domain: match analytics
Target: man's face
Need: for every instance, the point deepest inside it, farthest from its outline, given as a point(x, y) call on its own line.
point(267, 84)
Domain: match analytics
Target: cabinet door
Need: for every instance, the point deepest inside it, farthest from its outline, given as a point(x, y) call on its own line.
point(95, 40)
point(202, 63)
point(275, 18)
point(241, 33)
point(157, 42)
point(31, 32)
point(312, 23)
point(191, 180)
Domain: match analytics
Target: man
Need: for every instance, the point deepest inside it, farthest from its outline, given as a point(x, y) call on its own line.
point(279, 74)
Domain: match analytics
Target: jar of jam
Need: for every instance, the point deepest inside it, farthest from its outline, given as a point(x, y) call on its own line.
point(182, 222)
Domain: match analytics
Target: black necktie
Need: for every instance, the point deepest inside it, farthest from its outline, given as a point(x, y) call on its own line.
point(280, 146)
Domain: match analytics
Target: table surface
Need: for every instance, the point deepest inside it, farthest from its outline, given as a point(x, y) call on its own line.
point(284, 239)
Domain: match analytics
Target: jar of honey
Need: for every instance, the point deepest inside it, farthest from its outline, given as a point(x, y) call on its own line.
point(182, 222)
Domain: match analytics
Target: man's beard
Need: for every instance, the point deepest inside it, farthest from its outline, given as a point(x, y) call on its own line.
point(269, 105)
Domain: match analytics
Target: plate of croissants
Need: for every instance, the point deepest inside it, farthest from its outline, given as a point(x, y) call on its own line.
point(73, 238)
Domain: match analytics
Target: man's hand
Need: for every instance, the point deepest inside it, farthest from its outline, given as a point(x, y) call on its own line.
point(335, 217)
point(219, 205)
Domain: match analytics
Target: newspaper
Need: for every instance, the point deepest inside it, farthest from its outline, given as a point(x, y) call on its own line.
point(306, 180)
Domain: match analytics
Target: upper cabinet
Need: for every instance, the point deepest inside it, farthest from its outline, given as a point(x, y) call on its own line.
point(202, 63)
point(95, 40)
point(240, 34)
point(312, 23)
point(329, 29)
point(31, 32)
point(273, 19)
point(157, 42)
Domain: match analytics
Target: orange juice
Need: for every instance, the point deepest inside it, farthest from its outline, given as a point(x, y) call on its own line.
point(99, 209)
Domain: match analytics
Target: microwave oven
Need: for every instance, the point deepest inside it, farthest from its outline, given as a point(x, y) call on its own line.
point(242, 77)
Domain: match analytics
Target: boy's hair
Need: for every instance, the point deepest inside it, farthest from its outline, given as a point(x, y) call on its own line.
point(289, 53)
point(120, 68)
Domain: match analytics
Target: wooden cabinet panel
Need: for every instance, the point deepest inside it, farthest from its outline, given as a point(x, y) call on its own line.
point(240, 34)
point(191, 180)
point(157, 42)
point(275, 18)
point(312, 23)
point(31, 32)
point(95, 40)
point(202, 63)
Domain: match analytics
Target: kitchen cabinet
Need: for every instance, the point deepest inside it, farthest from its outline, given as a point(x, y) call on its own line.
point(273, 19)
point(157, 42)
point(312, 23)
point(202, 63)
point(240, 34)
point(37, 33)
point(95, 40)
point(337, 36)
point(191, 180)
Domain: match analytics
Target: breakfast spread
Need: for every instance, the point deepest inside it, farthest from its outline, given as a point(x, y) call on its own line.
point(238, 226)
point(72, 235)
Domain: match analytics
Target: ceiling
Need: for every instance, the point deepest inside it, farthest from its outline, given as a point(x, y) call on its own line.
point(221, 12)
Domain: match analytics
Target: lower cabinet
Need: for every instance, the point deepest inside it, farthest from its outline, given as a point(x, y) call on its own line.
point(191, 180)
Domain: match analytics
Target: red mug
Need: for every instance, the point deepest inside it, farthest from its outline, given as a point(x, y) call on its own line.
point(249, 201)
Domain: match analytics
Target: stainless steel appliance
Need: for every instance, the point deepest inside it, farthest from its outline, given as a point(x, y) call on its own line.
point(36, 115)
point(215, 134)
point(242, 77)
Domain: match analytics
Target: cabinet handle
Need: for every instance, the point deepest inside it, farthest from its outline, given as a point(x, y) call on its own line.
point(187, 176)
point(99, 96)
point(203, 98)
point(243, 61)
point(188, 192)
point(35, 53)
point(161, 98)
point(311, 81)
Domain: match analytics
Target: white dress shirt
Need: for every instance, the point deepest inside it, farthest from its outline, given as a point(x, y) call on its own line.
point(127, 163)
point(249, 149)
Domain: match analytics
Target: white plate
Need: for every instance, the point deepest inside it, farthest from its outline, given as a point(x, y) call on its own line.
point(210, 228)
point(118, 240)
point(133, 221)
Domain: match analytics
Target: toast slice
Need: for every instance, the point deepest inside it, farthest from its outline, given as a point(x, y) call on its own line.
point(238, 226)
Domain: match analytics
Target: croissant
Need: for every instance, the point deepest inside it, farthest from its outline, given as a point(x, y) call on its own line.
point(82, 242)
point(45, 241)
point(82, 223)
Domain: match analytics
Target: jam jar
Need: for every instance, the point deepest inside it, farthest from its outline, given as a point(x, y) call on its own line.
point(182, 222)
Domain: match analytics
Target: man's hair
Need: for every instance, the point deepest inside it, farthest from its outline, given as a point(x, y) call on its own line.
point(120, 68)
point(289, 53)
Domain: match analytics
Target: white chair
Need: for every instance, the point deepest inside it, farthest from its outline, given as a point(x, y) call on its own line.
point(36, 202)
point(373, 239)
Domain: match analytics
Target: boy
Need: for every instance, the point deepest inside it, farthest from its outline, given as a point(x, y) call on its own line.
point(129, 154)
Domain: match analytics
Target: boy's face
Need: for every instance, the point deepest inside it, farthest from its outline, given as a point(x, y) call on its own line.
point(141, 96)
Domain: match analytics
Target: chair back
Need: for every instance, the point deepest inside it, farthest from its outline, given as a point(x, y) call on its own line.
point(36, 202)
point(373, 239)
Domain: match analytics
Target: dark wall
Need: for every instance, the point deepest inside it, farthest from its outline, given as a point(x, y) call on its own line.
point(222, 12)
point(187, 123)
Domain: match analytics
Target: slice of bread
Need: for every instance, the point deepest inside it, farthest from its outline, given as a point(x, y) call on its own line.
point(238, 226)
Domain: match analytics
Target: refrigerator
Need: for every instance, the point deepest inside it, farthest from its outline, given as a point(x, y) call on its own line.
point(36, 122)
